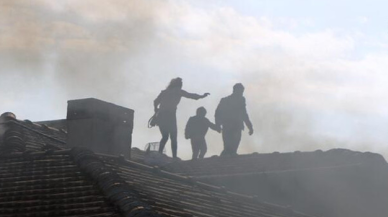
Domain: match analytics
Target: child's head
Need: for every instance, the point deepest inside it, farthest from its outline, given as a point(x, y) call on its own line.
point(201, 111)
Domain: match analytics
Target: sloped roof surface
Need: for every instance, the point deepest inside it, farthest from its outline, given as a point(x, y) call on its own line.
point(179, 196)
point(34, 137)
point(48, 184)
point(337, 182)
point(40, 177)
point(150, 157)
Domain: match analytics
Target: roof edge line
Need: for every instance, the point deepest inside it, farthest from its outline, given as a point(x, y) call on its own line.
point(35, 131)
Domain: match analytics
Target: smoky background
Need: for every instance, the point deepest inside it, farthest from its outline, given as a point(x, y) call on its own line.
point(303, 92)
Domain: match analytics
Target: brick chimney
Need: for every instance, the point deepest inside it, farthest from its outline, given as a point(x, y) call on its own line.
point(100, 126)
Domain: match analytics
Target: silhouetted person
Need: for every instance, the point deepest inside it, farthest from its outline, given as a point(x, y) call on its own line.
point(196, 129)
point(165, 106)
point(231, 114)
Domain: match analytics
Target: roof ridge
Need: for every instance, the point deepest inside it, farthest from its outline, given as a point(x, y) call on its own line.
point(111, 184)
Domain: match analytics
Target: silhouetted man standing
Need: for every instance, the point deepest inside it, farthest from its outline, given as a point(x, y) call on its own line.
point(231, 114)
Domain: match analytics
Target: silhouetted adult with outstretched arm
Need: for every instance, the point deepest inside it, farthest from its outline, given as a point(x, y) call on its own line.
point(231, 114)
point(165, 106)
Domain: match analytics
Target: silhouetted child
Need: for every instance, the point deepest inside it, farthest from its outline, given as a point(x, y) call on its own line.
point(196, 129)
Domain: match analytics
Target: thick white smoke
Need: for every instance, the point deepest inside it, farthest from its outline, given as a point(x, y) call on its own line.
point(304, 91)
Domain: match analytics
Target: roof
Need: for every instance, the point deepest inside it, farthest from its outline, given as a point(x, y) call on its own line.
point(31, 136)
point(273, 162)
point(152, 158)
point(181, 196)
point(48, 184)
point(60, 124)
point(43, 177)
point(337, 182)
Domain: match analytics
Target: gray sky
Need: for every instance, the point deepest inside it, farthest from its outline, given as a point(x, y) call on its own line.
point(314, 71)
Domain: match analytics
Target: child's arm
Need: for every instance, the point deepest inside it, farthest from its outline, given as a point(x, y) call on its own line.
point(213, 126)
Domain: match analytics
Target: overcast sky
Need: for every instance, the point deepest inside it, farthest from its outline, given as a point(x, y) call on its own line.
point(315, 71)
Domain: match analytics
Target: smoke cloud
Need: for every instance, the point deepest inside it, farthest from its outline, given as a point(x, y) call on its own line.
point(304, 91)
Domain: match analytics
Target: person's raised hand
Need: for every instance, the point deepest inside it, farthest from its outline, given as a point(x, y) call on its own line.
point(205, 95)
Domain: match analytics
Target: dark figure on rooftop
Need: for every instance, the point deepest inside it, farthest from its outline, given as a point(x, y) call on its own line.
point(196, 129)
point(231, 114)
point(165, 106)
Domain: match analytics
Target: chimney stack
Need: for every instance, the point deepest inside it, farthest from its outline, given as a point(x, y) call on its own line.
point(100, 126)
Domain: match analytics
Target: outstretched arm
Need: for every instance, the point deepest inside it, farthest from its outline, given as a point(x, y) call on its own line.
point(194, 95)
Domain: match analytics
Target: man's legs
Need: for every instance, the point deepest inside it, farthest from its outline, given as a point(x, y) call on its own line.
point(227, 142)
point(235, 141)
point(232, 138)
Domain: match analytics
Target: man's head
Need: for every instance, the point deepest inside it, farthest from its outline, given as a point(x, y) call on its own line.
point(201, 111)
point(238, 89)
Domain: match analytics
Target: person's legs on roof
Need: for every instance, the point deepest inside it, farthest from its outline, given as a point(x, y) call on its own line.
point(195, 148)
point(202, 148)
point(228, 141)
point(164, 139)
point(174, 143)
point(235, 141)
